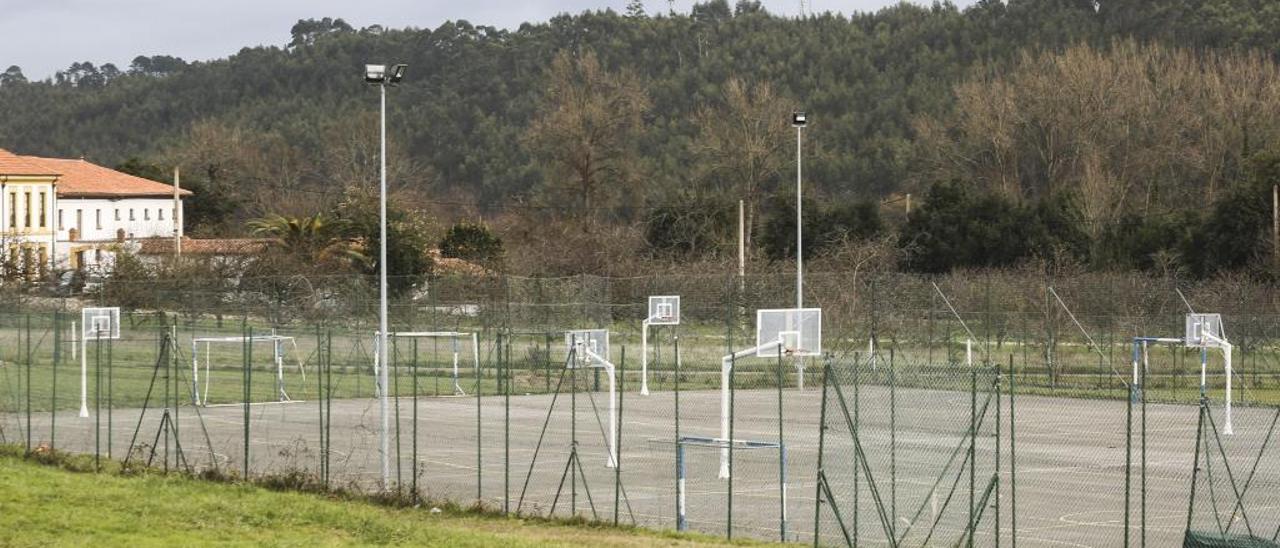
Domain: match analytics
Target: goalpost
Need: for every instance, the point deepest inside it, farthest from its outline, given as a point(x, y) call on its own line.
point(590, 350)
point(795, 332)
point(663, 310)
point(278, 343)
point(455, 336)
point(96, 324)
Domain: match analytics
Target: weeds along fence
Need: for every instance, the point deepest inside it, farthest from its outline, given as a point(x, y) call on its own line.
point(953, 410)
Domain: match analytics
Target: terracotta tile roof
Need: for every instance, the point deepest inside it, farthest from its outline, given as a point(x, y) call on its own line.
point(205, 246)
point(12, 164)
point(84, 179)
point(454, 266)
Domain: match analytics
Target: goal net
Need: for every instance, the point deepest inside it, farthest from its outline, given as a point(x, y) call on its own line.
point(213, 353)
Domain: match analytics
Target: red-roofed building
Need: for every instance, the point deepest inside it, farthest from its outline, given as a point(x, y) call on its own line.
point(89, 209)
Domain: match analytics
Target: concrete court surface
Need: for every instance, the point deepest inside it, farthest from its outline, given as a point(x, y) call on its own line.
point(1070, 459)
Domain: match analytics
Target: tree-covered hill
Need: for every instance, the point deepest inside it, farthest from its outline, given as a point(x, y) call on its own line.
point(474, 119)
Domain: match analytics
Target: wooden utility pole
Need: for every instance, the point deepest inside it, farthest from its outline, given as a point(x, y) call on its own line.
point(742, 243)
point(1275, 227)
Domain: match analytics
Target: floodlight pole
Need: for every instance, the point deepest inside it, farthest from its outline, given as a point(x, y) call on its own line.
point(799, 120)
point(799, 226)
point(383, 384)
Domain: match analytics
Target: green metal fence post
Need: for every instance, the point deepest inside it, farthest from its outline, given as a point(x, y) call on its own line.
point(111, 395)
point(28, 391)
point(782, 462)
point(733, 367)
point(97, 400)
point(479, 438)
point(998, 432)
point(822, 442)
point(1142, 524)
point(617, 457)
point(679, 476)
point(1013, 457)
point(893, 442)
point(320, 394)
point(247, 349)
point(857, 457)
point(973, 445)
point(328, 412)
point(506, 426)
point(53, 399)
point(393, 357)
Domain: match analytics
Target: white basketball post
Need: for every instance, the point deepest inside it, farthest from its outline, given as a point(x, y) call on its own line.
point(1206, 331)
point(1203, 331)
point(663, 310)
point(796, 332)
point(592, 351)
point(96, 323)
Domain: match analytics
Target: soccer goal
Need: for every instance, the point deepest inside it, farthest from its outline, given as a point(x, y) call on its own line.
point(202, 353)
point(97, 325)
point(457, 340)
point(795, 332)
point(589, 349)
point(684, 442)
point(663, 310)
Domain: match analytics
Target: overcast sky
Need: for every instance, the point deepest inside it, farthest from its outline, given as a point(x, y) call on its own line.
point(44, 36)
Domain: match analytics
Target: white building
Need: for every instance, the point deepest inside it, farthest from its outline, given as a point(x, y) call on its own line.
point(97, 210)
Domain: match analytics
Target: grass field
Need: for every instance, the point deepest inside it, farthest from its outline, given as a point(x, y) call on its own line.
point(44, 505)
point(125, 367)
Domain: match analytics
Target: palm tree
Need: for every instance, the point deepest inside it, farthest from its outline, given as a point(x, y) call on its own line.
point(314, 238)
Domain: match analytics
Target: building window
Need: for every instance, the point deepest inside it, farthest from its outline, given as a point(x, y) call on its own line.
point(160, 212)
point(60, 225)
point(80, 222)
point(27, 213)
point(146, 214)
point(97, 219)
point(13, 210)
point(43, 218)
point(117, 214)
point(131, 214)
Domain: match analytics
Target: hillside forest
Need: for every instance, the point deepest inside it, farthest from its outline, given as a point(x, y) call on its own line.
point(1098, 135)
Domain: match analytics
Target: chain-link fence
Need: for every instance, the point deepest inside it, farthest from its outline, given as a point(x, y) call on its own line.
point(986, 409)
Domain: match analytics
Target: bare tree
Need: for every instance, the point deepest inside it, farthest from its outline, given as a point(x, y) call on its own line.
point(1129, 127)
point(742, 142)
point(583, 136)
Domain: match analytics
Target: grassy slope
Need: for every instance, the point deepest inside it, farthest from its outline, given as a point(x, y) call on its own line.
point(46, 506)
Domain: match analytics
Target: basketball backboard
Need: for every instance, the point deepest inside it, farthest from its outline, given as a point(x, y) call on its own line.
point(100, 323)
point(664, 310)
point(595, 340)
point(1204, 330)
point(799, 330)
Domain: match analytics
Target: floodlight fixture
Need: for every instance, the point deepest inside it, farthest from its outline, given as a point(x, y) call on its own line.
point(375, 74)
point(799, 119)
point(397, 73)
